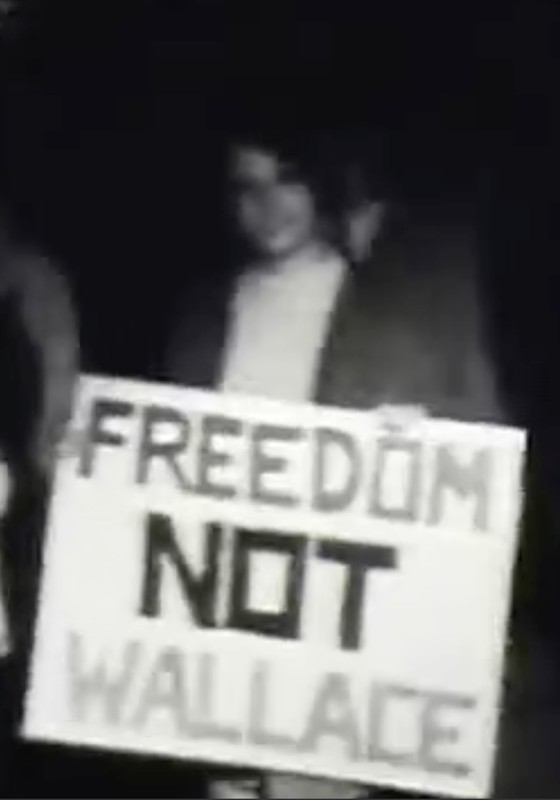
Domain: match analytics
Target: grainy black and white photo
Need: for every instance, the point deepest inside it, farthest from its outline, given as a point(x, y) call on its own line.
point(317, 214)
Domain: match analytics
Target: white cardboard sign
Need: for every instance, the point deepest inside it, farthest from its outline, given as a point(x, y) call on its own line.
point(286, 587)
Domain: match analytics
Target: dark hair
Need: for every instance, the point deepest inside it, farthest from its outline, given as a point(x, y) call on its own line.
point(315, 146)
point(305, 153)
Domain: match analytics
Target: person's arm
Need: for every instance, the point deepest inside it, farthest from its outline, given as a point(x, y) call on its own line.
point(483, 385)
point(474, 354)
point(49, 320)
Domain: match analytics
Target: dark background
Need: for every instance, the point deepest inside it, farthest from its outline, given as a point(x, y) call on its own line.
point(112, 109)
point(110, 113)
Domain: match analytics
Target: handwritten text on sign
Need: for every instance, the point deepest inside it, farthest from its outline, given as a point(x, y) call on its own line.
point(287, 587)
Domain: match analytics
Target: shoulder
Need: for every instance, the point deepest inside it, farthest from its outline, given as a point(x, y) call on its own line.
point(331, 262)
point(28, 272)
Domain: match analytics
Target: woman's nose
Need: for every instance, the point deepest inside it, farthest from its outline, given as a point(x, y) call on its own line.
point(267, 196)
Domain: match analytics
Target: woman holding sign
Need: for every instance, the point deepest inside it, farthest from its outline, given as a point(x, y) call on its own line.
point(396, 322)
point(296, 320)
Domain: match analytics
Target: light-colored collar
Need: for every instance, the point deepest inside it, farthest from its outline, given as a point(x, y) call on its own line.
point(315, 253)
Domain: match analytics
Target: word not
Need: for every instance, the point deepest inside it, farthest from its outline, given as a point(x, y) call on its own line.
point(200, 592)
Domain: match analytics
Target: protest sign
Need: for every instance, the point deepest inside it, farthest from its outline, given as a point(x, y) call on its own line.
point(287, 587)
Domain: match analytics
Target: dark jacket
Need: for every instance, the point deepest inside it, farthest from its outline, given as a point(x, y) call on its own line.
point(408, 328)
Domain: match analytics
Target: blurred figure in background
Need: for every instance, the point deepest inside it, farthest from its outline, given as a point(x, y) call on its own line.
point(394, 322)
point(37, 313)
point(232, 332)
point(263, 330)
point(39, 365)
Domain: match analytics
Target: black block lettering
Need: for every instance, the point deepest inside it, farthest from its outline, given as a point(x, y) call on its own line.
point(286, 623)
point(358, 559)
point(200, 591)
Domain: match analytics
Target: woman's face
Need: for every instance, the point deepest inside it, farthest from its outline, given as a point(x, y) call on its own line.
point(274, 210)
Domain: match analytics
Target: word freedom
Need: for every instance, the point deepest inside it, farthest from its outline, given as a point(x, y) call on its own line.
point(227, 458)
point(137, 689)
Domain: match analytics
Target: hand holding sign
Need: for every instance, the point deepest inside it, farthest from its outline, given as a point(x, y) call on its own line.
point(400, 417)
point(299, 554)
